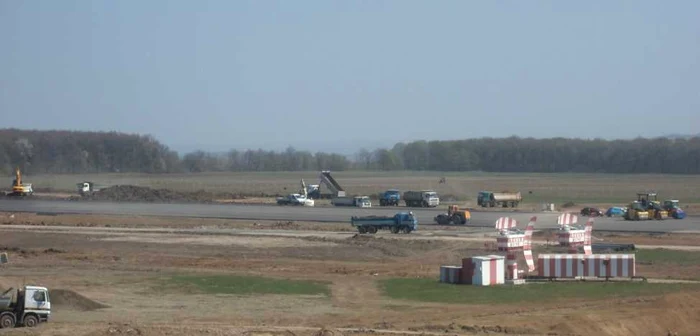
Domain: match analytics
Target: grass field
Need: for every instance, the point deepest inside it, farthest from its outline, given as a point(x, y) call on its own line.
point(663, 256)
point(429, 290)
point(243, 285)
point(536, 188)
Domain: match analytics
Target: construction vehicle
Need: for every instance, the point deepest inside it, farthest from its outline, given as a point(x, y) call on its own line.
point(314, 191)
point(356, 201)
point(88, 188)
point(390, 197)
point(636, 211)
point(297, 198)
point(19, 188)
point(489, 199)
point(674, 209)
point(27, 307)
point(454, 216)
point(423, 198)
point(656, 211)
point(404, 222)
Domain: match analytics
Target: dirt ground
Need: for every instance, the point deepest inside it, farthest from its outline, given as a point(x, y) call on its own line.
point(109, 282)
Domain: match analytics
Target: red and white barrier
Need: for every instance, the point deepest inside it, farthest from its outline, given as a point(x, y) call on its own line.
point(578, 265)
point(483, 271)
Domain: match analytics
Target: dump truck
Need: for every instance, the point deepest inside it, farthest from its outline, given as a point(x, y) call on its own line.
point(19, 188)
point(404, 222)
point(355, 201)
point(27, 306)
point(674, 209)
point(87, 188)
point(423, 198)
point(454, 216)
point(390, 197)
point(489, 199)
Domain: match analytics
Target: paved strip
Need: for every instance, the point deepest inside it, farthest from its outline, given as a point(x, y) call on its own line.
point(484, 219)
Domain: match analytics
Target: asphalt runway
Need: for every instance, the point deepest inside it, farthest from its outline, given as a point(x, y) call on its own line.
point(325, 214)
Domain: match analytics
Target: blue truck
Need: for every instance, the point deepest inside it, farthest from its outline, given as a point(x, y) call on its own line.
point(404, 222)
point(390, 197)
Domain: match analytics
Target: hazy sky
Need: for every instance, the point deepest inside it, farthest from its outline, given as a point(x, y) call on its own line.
point(339, 75)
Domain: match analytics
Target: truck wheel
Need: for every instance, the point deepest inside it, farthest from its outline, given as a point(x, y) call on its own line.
point(407, 229)
point(7, 321)
point(361, 229)
point(395, 229)
point(372, 229)
point(31, 321)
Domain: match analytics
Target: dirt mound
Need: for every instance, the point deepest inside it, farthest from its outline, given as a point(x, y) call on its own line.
point(328, 332)
point(131, 193)
point(68, 299)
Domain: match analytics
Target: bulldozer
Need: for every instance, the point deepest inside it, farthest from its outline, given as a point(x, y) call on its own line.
point(636, 211)
point(454, 216)
point(653, 206)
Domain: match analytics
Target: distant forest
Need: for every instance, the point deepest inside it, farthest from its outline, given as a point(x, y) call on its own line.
point(38, 152)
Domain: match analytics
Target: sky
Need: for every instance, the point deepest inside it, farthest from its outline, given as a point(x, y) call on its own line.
point(341, 75)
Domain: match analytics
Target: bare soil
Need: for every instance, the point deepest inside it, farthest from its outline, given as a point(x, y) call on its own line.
point(110, 283)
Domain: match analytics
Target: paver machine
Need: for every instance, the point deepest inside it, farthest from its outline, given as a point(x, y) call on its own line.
point(653, 206)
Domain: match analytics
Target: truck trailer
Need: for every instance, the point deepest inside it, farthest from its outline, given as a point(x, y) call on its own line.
point(489, 199)
point(423, 198)
point(27, 307)
point(404, 222)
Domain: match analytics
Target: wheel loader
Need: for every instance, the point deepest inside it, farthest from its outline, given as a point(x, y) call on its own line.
point(454, 216)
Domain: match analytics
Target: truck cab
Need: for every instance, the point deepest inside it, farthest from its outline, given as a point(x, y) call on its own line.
point(363, 202)
point(390, 197)
point(27, 307)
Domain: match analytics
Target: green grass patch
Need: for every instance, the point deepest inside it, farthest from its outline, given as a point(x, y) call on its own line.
point(245, 285)
point(664, 256)
point(430, 290)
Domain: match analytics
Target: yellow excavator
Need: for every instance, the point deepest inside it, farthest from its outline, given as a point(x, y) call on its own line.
point(19, 188)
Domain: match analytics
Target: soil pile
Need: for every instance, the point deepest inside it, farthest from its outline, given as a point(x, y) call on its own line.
point(130, 193)
point(68, 299)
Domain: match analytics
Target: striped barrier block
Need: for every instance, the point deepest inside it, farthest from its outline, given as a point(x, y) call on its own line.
point(483, 270)
point(568, 237)
point(577, 265)
point(510, 241)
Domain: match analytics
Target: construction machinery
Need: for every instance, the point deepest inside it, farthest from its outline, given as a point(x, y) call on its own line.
point(636, 211)
point(19, 188)
point(454, 216)
point(390, 197)
point(88, 188)
point(27, 306)
point(314, 190)
point(355, 201)
point(674, 209)
point(404, 222)
point(300, 198)
point(649, 200)
point(489, 199)
point(423, 198)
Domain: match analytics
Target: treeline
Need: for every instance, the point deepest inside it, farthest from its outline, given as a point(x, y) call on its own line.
point(100, 152)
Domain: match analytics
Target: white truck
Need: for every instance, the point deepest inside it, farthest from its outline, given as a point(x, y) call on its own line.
point(295, 199)
point(87, 188)
point(27, 306)
point(356, 201)
point(423, 198)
